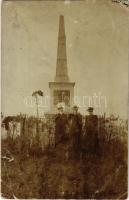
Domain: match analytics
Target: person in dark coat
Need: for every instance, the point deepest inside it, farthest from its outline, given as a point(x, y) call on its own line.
point(60, 126)
point(91, 129)
point(75, 132)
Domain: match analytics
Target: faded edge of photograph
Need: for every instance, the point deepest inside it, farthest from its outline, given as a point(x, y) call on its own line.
point(64, 99)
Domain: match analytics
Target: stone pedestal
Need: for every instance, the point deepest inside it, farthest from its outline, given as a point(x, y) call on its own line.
point(61, 92)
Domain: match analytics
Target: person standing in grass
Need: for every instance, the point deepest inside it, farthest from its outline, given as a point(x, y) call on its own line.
point(75, 132)
point(91, 130)
point(60, 126)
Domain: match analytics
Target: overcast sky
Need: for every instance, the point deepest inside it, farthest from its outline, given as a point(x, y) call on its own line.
point(97, 51)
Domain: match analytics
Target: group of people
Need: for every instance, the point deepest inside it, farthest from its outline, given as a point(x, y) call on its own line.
point(78, 133)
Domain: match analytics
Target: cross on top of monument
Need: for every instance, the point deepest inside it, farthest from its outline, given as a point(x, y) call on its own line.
point(61, 66)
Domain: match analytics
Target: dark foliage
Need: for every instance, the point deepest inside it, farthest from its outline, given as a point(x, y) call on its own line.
point(55, 173)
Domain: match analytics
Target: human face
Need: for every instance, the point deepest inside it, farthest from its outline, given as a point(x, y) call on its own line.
point(75, 110)
point(61, 110)
point(90, 112)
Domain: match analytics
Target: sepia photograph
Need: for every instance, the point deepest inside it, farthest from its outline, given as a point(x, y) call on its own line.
point(64, 99)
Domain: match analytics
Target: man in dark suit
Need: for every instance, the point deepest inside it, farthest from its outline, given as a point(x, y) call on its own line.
point(75, 132)
point(60, 126)
point(91, 130)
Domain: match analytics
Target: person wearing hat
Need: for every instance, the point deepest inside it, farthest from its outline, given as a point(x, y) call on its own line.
point(60, 125)
point(91, 130)
point(90, 110)
point(75, 131)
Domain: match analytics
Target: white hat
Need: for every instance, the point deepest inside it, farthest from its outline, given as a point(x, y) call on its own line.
point(60, 105)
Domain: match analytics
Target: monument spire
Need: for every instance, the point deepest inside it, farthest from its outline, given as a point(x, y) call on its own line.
point(62, 89)
point(61, 66)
